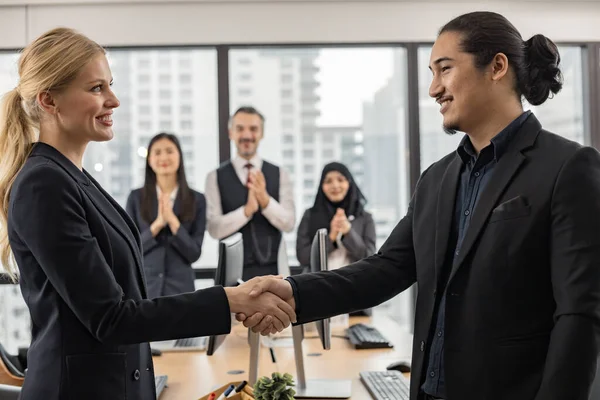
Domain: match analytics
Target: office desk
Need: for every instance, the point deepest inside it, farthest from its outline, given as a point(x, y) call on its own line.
point(194, 374)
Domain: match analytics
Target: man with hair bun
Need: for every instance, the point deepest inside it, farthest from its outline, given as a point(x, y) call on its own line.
point(501, 235)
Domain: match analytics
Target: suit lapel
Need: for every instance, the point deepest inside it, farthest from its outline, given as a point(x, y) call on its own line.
point(501, 178)
point(111, 211)
point(445, 212)
point(119, 220)
point(177, 204)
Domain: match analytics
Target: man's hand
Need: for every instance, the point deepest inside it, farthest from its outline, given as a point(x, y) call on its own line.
point(259, 185)
point(262, 286)
point(251, 204)
point(270, 312)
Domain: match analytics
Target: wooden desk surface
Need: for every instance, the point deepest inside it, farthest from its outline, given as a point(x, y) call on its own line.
point(194, 374)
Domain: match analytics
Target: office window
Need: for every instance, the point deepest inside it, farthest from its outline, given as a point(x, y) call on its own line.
point(308, 139)
point(335, 92)
point(186, 94)
point(288, 139)
point(309, 184)
point(164, 79)
point(245, 92)
point(308, 153)
point(562, 114)
point(185, 63)
point(244, 61)
point(125, 153)
point(288, 154)
point(245, 77)
point(164, 61)
point(185, 79)
point(145, 125)
point(309, 169)
point(143, 63)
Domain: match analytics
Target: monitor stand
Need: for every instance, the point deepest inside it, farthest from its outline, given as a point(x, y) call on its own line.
point(315, 388)
point(254, 341)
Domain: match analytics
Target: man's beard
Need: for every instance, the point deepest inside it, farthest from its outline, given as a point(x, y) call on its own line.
point(450, 130)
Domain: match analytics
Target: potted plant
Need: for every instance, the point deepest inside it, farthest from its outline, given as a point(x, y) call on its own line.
point(278, 387)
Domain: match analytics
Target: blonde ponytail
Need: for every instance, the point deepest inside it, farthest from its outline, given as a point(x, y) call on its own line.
point(16, 138)
point(49, 63)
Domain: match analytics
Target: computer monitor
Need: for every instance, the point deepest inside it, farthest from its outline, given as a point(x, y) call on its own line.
point(318, 262)
point(229, 273)
point(317, 388)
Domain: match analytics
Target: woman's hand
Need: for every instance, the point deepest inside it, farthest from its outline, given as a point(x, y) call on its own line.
point(160, 221)
point(341, 222)
point(166, 208)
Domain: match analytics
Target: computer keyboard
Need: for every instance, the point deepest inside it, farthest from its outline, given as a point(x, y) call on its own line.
point(161, 382)
point(367, 337)
point(386, 385)
point(191, 342)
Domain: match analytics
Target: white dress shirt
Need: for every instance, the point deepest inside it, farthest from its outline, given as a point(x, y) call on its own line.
point(339, 257)
point(282, 214)
point(173, 195)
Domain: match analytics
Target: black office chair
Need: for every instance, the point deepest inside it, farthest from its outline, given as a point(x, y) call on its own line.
point(12, 364)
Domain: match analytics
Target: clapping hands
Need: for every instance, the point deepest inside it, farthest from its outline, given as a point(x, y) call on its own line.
point(165, 216)
point(339, 224)
point(265, 304)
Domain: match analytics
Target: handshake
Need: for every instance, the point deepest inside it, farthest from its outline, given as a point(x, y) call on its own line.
point(265, 304)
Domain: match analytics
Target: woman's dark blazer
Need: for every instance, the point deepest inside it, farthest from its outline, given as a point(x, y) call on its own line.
point(168, 258)
point(80, 264)
point(360, 241)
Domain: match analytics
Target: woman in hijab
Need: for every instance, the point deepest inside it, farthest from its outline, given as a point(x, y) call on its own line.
point(339, 207)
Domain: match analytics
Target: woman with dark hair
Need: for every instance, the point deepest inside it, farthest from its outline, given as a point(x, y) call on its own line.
point(171, 218)
point(339, 207)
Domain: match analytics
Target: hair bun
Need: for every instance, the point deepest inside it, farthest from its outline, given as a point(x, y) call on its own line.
point(543, 69)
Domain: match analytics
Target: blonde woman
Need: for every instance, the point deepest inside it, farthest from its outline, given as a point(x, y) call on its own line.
point(77, 251)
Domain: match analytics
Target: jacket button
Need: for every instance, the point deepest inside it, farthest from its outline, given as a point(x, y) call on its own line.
point(136, 375)
point(422, 345)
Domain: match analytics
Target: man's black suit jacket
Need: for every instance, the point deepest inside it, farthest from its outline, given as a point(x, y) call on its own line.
point(523, 305)
point(81, 275)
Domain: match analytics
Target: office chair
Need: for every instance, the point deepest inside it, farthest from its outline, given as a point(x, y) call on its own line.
point(11, 370)
point(8, 392)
